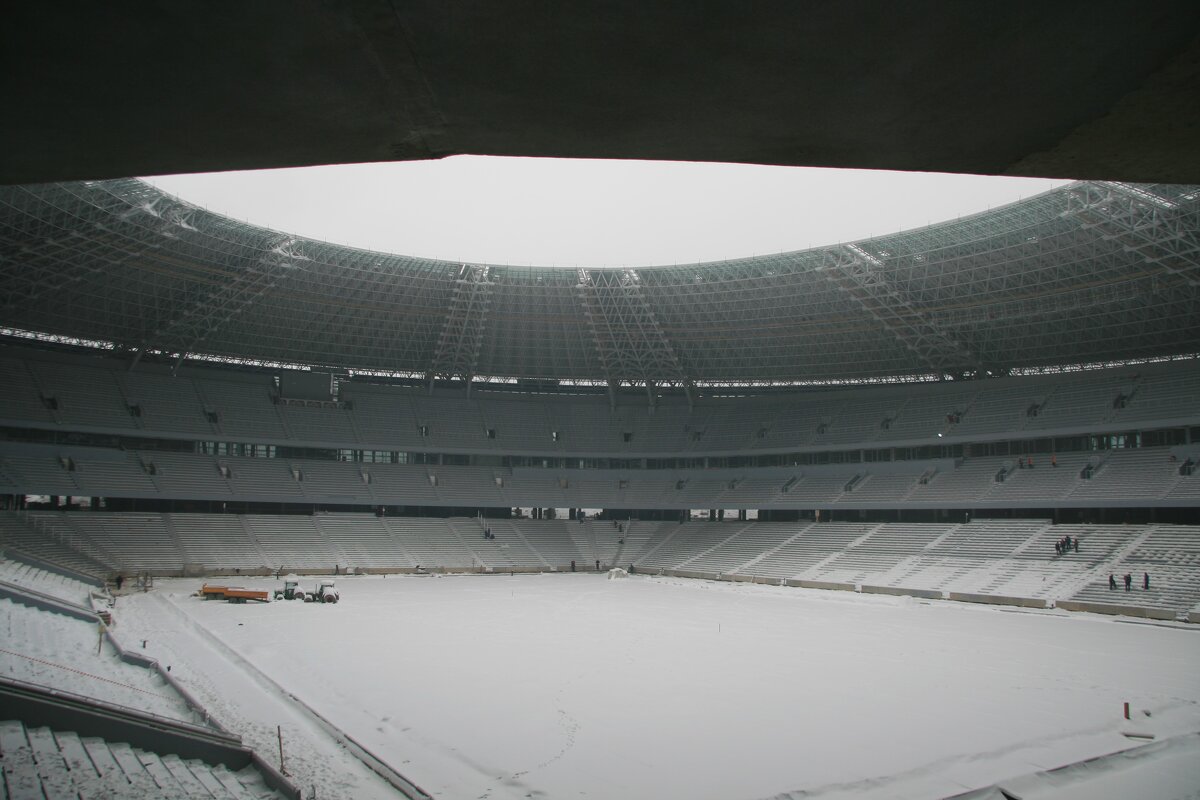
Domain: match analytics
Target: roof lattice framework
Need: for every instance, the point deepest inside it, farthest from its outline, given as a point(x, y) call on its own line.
point(1089, 272)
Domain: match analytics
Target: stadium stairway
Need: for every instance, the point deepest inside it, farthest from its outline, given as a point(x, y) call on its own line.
point(29, 576)
point(54, 541)
point(39, 762)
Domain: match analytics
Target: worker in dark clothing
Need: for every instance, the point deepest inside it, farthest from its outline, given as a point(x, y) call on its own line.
point(1112, 582)
point(1128, 581)
point(120, 581)
point(1146, 581)
point(1076, 544)
point(597, 565)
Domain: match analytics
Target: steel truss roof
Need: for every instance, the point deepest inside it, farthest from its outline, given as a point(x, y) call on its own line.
point(1090, 272)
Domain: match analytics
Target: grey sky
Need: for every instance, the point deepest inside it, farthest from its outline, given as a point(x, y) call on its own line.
point(591, 213)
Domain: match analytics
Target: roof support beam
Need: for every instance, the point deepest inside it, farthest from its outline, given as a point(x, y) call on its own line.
point(457, 352)
point(187, 331)
point(862, 276)
point(630, 342)
point(1164, 233)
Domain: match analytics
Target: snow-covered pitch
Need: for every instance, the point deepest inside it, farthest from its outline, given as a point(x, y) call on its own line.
point(578, 686)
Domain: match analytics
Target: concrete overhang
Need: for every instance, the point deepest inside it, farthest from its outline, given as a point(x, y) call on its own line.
point(1102, 90)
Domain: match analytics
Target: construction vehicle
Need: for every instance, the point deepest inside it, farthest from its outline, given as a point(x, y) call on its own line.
point(234, 594)
point(325, 592)
point(291, 591)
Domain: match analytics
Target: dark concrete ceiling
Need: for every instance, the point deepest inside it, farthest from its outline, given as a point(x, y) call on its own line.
point(1106, 89)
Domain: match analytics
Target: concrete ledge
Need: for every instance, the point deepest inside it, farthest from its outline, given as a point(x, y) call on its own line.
point(37, 706)
point(16, 554)
point(45, 602)
point(997, 600)
point(928, 594)
point(1114, 608)
point(833, 585)
point(687, 573)
point(1193, 616)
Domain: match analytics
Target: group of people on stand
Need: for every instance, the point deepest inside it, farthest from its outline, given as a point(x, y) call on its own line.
point(1026, 462)
point(1112, 581)
point(1065, 545)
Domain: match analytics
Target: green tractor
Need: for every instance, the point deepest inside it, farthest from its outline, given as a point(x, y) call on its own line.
point(325, 592)
point(291, 591)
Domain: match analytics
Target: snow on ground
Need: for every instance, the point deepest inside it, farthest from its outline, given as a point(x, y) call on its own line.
point(577, 686)
point(237, 697)
point(1169, 769)
point(62, 653)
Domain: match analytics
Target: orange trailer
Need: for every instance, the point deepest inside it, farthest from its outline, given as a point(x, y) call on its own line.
point(234, 594)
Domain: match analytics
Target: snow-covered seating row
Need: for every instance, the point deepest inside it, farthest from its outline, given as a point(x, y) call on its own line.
point(218, 541)
point(40, 762)
point(641, 538)
point(552, 540)
point(136, 542)
point(747, 543)
point(430, 542)
point(60, 652)
point(986, 538)
point(43, 581)
point(691, 539)
point(361, 540)
point(882, 550)
point(506, 549)
point(985, 556)
point(23, 536)
point(291, 541)
point(808, 544)
point(1170, 555)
